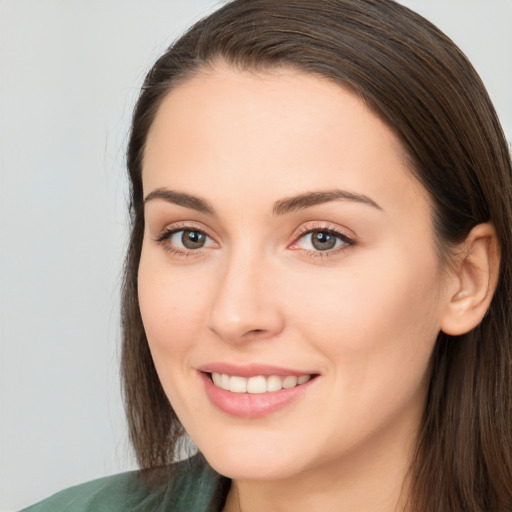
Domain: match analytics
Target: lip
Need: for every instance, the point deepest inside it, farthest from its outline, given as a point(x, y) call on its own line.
point(252, 370)
point(247, 405)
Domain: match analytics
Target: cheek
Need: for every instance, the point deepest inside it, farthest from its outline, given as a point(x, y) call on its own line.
point(172, 308)
point(375, 326)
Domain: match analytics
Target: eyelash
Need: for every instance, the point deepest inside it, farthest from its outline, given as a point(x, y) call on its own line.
point(168, 233)
point(347, 241)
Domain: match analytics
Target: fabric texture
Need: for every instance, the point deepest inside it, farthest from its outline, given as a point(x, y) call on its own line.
point(187, 486)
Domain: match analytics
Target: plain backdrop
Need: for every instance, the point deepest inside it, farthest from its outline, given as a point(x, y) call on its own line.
point(69, 75)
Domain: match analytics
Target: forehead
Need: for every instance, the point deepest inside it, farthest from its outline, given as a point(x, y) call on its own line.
point(245, 133)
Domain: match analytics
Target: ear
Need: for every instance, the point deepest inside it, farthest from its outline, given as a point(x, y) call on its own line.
point(475, 278)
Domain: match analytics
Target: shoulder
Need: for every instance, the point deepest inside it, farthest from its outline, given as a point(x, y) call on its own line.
point(187, 486)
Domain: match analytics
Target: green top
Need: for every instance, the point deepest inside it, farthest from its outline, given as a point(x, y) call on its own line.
point(187, 486)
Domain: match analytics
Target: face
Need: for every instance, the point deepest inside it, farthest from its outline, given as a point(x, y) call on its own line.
point(288, 284)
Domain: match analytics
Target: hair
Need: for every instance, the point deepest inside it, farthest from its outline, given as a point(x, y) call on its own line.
point(415, 79)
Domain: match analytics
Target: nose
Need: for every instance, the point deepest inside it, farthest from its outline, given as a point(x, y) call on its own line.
point(246, 303)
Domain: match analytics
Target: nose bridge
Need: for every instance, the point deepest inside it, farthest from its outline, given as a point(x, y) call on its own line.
point(245, 305)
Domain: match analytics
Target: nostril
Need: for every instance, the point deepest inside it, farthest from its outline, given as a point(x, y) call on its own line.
point(254, 333)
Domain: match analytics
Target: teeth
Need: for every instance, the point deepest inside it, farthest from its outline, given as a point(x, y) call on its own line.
point(237, 384)
point(224, 381)
point(274, 383)
point(257, 385)
point(216, 377)
point(303, 379)
point(289, 382)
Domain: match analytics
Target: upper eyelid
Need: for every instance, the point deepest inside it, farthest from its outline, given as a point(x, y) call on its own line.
point(184, 226)
point(325, 226)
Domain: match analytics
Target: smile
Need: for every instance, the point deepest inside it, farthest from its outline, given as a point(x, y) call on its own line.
point(257, 385)
point(259, 391)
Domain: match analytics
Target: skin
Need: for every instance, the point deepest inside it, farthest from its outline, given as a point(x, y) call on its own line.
point(363, 318)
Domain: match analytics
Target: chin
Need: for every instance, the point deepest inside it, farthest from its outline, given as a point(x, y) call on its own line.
point(257, 463)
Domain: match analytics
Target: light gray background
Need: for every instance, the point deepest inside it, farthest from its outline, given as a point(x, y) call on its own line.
point(69, 75)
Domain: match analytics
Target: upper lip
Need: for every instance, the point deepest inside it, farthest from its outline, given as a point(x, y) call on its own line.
point(251, 370)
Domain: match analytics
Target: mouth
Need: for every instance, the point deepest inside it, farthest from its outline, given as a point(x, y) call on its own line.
point(257, 385)
point(255, 390)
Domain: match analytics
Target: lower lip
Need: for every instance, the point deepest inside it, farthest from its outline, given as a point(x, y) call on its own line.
point(248, 405)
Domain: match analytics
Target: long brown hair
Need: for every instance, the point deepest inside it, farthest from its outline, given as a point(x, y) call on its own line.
point(414, 77)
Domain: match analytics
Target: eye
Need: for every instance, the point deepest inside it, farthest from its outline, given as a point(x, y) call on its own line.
point(188, 239)
point(323, 240)
point(184, 241)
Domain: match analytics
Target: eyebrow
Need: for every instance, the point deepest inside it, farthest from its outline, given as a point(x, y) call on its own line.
point(281, 207)
point(314, 198)
point(181, 199)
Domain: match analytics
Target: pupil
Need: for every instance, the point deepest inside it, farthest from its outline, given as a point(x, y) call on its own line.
point(323, 241)
point(193, 239)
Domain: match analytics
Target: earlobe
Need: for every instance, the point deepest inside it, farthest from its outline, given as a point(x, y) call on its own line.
point(475, 276)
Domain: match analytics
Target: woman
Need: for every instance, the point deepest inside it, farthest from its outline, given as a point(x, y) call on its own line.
point(317, 286)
